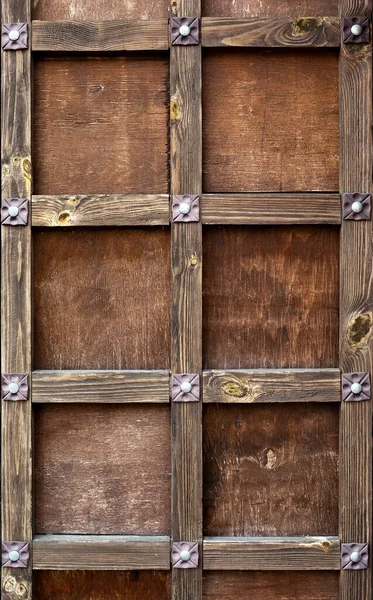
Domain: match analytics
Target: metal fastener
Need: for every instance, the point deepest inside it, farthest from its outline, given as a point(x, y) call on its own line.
point(14, 211)
point(185, 555)
point(355, 557)
point(356, 29)
point(185, 208)
point(13, 388)
point(13, 555)
point(356, 388)
point(357, 207)
point(185, 387)
point(184, 30)
point(13, 35)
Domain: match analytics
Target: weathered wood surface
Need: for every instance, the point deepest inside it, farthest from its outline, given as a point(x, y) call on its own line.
point(293, 385)
point(99, 10)
point(270, 470)
point(102, 469)
point(109, 387)
point(271, 32)
point(265, 132)
point(271, 209)
point(264, 8)
point(271, 297)
point(100, 124)
point(101, 552)
point(102, 210)
point(101, 299)
point(96, 36)
point(272, 554)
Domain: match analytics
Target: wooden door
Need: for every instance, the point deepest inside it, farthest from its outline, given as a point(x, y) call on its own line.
point(173, 432)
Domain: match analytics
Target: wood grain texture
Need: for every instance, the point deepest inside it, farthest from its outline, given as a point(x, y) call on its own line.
point(293, 554)
point(294, 385)
point(102, 210)
point(101, 552)
point(99, 10)
point(270, 470)
point(101, 585)
point(100, 36)
point(102, 469)
point(270, 585)
point(356, 330)
point(101, 299)
point(100, 124)
point(271, 32)
point(271, 209)
point(265, 132)
point(16, 498)
point(270, 297)
point(101, 386)
point(268, 8)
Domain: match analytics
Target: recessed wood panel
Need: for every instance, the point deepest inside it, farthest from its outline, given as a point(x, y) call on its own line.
point(269, 8)
point(270, 297)
point(102, 469)
point(98, 10)
point(270, 121)
point(270, 470)
point(101, 585)
point(100, 125)
point(101, 299)
point(270, 585)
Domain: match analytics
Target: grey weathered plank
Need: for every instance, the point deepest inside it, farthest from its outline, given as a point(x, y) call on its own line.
point(278, 385)
point(88, 36)
point(271, 32)
point(271, 209)
point(272, 554)
point(100, 386)
point(356, 310)
point(100, 210)
point(102, 552)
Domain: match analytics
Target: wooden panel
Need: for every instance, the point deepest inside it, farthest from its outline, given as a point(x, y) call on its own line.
point(101, 386)
point(270, 586)
point(270, 297)
point(81, 10)
point(270, 470)
point(242, 8)
point(101, 299)
point(311, 385)
point(302, 553)
point(102, 469)
point(100, 210)
point(271, 209)
point(94, 118)
point(101, 552)
point(101, 585)
point(286, 128)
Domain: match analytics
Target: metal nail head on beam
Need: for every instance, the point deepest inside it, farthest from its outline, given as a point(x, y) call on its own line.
point(355, 387)
point(185, 387)
point(15, 554)
point(185, 208)
point(14, 36)
point(356, 30)
point(356, 206)
point(354, 556)
point(185, 555)
point(14, 211)
point(14, 386)
point(184, 31)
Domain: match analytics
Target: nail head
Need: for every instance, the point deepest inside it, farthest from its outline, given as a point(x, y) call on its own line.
point(14, 35)
point(13, 555)
point(356, 388)
point(184, 30)
point(186, 387)
point(13, 388)
point(356, 29)
point(185, 208)
point(357, 207)
point(355, 557)
point(13, 211)
point(185, 555)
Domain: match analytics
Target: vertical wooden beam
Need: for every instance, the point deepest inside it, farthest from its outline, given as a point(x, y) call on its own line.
point(186, 345)
point(16, 299)
point(356, 326)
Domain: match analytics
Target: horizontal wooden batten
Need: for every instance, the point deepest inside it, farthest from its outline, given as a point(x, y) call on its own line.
point(100, 386)
point(95, 36)
point(272, 554)
point(101, 552)
point(278, 385)
point(271, 209)
point(103, 210)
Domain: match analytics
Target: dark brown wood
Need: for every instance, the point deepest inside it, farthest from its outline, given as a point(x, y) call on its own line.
point(270, 470)
point(101, 386)
point(88, 36)
point(303, 385)
point(102, 469)
point(271, 32)
point(101, 552)
point(100, 124)
point(270, 297)
point(264, 8)
point(272, 554)
point(271, 209)
point(59, 10)
point(101, 299)
point(100, 210)
point(265, 132)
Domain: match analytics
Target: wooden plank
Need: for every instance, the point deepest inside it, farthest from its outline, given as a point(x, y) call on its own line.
point(263, 8)
point(100, 36)
point(356, 321)
point(102, 210)
point(291, 385)
point(16, 311)
point(271, 209)
point(271, 32)
point(101, 552)
point(99, 10)
point(272, 554)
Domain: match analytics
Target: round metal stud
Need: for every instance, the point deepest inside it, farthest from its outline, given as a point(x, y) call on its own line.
point(13, 555)
point(13, 388)
point(186, 387)
point(355, 557)
point(356, 29)
point(185, 555)
point(14, 35)
point(13, 211)
point(184, 30)
point(357, 207)
point(356, 388)
point(185, 208)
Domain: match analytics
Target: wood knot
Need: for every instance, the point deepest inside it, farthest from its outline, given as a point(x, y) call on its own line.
point(360, 328)
point(193, 261)
point(175, 109)
point(271, 459)
point(326, 546)
point(304, 25)
point(64, 217)
point(235, 389)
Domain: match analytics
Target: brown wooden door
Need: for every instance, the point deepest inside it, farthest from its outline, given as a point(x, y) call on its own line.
point(172, 432)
